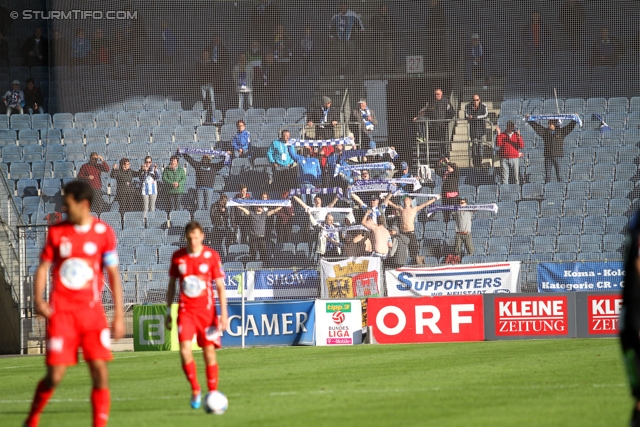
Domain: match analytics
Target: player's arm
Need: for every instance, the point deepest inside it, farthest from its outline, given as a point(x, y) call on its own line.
point(116, 288)
point(42, 307)
point(171, 292)
point(427, 203)
point(222, 297)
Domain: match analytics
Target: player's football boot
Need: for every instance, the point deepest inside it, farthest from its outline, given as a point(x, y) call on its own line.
point(196, 400)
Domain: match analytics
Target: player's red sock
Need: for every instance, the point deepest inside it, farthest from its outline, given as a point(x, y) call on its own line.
point(40, 399)
point(101, 402)
point(212, 377)
point(190, 371)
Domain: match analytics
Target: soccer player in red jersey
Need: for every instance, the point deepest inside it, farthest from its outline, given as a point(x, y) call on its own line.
point(78, 249)
point(196, 267)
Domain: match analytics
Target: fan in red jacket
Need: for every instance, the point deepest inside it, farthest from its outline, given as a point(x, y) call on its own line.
point(510, 143)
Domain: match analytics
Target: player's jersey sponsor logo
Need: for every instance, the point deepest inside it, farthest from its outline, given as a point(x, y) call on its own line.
point(207, 254)
point(192, 286)
point(90, 248)
point(100, 228)
point(75, 273)
point(105, 338)
point(203, 268)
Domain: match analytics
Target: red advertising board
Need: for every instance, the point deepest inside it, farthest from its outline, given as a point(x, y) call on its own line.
point(429, 319)
point(604, 311)
point(531, 316)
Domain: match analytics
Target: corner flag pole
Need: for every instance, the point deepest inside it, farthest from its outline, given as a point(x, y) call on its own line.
point(242, 296)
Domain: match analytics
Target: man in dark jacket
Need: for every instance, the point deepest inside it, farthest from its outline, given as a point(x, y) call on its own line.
point(399, 252)
point(476, 113)
point(553, 137)
point(326, 117)
point(35, 50)
point(205, 176)
point(438, 109)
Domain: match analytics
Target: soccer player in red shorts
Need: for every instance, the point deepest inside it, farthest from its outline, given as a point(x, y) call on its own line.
point(78, 249)
point(196, 267)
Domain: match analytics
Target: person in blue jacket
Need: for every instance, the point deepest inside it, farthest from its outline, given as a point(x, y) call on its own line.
point(241, 141)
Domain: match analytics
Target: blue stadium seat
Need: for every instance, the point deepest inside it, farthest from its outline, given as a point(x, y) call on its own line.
point(186, 133)
point(502, 227)
point(49, 186)
point(521, 244)
point(526, 226)
point(574, 207)
point(21, 184)
point(565, 256)
point(509, 193)
point(613, 242)
point(534, 190)
point(548, 226)
point(578, 190)
point(603, 172)
point(551, 207)
point(20, 170)
point(616, 224)
point(146, 255)
point(11, 153)
point(600, 190)
point(625, 171)
point(148, 118)
point(113, 219)
point(133, 220)
point(597, 207)
point(32, 153)
point(594, 224)
point(544, 244)
point(619, 207)
point(165, 253)
point(179, 218)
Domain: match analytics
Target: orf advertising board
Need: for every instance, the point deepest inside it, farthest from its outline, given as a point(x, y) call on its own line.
point(530, 316)
point(597, 314)
point(338, 322)
point(420, 320)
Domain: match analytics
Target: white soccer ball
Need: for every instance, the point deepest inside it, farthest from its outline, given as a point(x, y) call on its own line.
point(216, 402)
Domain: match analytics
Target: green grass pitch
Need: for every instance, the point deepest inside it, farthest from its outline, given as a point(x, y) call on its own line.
point(575, 382)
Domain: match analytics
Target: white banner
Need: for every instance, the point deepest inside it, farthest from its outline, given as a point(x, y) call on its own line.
point(351, 278)
point(458, 279)
point(338, 322)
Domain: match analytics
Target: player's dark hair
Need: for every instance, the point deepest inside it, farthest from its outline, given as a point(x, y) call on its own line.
point(192, 225)
point(80, 190)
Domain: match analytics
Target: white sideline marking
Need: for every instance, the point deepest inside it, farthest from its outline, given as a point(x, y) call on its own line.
point(295, 393)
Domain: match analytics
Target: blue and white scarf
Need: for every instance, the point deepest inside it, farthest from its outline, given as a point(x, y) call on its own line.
point(348, 228)
point(319, 142)
point(374, 186)
point(492, 208)
point(414, 181)
point(367, 124)
point(206, 151)
point(255, 202)
point(363, 166)
point(559, 117)
point(371, 152)
point(300, 191)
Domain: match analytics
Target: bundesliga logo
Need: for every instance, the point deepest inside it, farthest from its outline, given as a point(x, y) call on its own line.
point(338, 317)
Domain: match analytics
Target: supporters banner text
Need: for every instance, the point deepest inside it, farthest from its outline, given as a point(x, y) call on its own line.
point(461, 279)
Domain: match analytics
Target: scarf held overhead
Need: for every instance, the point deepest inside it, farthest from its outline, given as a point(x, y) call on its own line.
point(560, 117)
point(491, 207)
point(206, 151)
point(300, 191)
point(254, 202)
point(364, 166)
